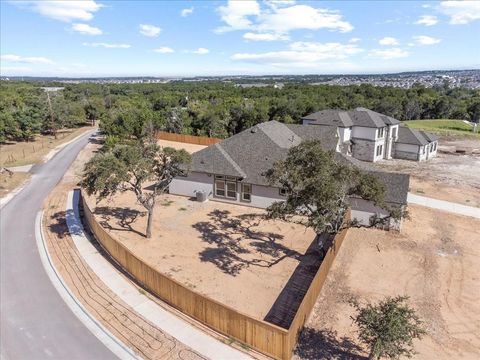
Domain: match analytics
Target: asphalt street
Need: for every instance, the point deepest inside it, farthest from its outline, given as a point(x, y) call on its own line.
point(35, 322)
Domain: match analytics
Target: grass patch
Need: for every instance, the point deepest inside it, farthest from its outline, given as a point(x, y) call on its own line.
point(22, 153)
point(167, 203)
point(445, 127)
point(141, 291)
point(10, 182)
point(182, 209)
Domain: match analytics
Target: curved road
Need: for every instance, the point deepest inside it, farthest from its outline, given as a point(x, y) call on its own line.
point(35, 322)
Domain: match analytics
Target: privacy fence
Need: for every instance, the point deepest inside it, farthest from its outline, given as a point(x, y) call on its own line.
point(190, 139)
point(267, 338)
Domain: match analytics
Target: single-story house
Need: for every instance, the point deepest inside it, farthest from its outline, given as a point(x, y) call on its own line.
point(415, 144)
point(233, 170)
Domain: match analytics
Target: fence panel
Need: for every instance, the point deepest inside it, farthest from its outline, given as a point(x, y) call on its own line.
point(189, 139)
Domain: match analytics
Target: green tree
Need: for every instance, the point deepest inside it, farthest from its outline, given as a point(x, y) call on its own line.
point(388, 328)
point(318, 188)
point(129, 168)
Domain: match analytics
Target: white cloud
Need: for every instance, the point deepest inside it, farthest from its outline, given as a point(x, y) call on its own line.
point(86, 29)
point(388, 41)
point(425, 40)
point(26, 59)
point(305, 17)
point(302, 54)
point(427, 20)
point(277, 19)
point(108, 46)
point(461, 12)
point(235, 14)
point(187, 11)
point(201, 51)
point(264, 37)
point(63, 10)
point(149, 30)
point(164, 50)
point(387, 54)
point(354, 40)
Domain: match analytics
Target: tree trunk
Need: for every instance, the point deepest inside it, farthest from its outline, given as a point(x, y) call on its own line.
point(149, 223)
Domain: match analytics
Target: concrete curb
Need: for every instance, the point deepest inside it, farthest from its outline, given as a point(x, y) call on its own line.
point(97, 329)
point(176, 327)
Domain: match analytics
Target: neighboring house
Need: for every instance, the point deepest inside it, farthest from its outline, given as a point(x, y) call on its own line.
point(415, 144)
point(233, 170)
point(364, 134)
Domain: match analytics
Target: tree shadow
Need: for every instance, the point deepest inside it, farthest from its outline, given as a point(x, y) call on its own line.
point(238, 237)
point(59, 225)
point(125, 218)
point(323, 344)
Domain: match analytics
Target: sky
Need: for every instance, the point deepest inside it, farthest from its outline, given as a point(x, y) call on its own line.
point(188, 38)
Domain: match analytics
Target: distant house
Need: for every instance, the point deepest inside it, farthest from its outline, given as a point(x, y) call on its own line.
point(367, 135)
point(415, 144)
point(233, 170)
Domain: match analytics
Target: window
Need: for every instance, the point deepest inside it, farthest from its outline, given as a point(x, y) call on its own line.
point(283, 192)
point(394, 133)
point(381, 132)
point(434, 146)
point(220, 188)
point(231, 189)
point(379, 150)
point(423, 149)
point(246, 192)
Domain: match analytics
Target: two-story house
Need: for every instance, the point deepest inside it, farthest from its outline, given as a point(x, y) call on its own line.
point(370, 136)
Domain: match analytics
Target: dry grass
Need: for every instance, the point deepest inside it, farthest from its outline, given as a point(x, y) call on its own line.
point(10, 182)
point(22, 153)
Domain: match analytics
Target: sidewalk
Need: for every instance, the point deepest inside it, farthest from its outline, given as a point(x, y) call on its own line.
point(181, 330)
point(444, 205)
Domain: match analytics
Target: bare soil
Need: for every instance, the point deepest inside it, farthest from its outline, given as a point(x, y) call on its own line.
point(9, 182)
point(191, 148)
point(447, 176)
point(224, 251)
point(436, 267)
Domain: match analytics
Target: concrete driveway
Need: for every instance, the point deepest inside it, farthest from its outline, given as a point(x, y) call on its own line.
point(35, 322)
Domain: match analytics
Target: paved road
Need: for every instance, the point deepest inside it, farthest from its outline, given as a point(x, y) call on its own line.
point(35, 323)
point(444, 205)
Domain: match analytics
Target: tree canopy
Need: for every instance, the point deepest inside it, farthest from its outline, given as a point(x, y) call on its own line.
point(388, 328)
point(130, 168)
point(318, 188)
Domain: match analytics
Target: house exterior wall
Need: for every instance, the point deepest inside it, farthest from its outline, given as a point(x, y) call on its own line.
point(360, 132)
point(261, 197)
point(363, 210)
point(191, 184)
point(364, 149)
point(406, 151)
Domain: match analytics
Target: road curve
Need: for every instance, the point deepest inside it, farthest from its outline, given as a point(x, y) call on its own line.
point(35, 322)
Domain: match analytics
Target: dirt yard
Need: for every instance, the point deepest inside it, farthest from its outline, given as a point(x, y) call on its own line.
point(191, 148)
point(437, 267)
point(450, 177)
point(224, 251)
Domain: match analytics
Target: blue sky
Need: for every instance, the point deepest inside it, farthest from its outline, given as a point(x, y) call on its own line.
point(184, 38)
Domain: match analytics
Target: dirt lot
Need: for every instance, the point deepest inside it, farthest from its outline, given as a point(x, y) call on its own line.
point(437, 267)
point(221, 250)
point(191, 148)
point(448, 177)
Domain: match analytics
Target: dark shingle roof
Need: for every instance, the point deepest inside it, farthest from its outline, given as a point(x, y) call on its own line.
point(396, 184)
point(252, 152)
point(429, 136)
point(411, 136)
point(358, 117)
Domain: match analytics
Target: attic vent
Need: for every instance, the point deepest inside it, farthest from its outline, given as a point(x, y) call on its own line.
point(254, 130)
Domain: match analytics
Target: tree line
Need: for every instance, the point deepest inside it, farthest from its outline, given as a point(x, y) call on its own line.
point(209, 108)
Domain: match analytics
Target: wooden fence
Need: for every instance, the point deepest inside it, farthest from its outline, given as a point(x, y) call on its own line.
point(267, 338)
point(189, 139)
